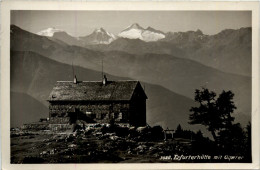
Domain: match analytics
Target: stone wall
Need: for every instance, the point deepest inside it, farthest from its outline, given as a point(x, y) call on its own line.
point(59, 120)
point(35, 126)
point(60, 127)
point(101, 112)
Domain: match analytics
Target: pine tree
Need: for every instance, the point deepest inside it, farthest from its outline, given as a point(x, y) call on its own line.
point(213, 113)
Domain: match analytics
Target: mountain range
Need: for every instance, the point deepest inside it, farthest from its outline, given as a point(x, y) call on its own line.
point(221, 51)
point(170, 75)
point(101, 36)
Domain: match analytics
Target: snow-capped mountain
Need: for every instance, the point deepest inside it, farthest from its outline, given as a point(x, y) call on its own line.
point(135, 31)
point(49, 32)
point(99, 36)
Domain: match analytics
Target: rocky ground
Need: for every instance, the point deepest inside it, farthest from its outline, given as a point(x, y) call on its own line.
point(88, 146)
point(110, 145)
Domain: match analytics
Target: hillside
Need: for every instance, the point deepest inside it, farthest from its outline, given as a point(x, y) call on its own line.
point(26, 109)
point(179, 75)
point(34, 74)
point(50, 47)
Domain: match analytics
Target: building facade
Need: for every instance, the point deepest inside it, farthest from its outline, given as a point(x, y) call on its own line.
point(98, 102)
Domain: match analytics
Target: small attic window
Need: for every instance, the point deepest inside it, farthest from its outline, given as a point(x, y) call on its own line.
point(53, 96)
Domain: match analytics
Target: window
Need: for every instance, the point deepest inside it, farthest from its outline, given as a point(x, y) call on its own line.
point(120, 116)
point(98, 116)
point(112, 115)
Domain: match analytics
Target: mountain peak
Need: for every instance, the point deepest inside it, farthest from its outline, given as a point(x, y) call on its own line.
point(135, 31)
point(150, 28)
point(49, 31)
point(154, 30)
point(135, 26)
point(100, 30)
point(99, 36)
point(199, 32)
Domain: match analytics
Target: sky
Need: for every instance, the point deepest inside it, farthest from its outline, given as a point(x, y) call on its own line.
point(81, 23)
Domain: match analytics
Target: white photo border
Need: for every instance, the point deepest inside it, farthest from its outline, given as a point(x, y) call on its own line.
point(7, 6)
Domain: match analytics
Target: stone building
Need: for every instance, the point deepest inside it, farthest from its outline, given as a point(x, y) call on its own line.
point(98, 102)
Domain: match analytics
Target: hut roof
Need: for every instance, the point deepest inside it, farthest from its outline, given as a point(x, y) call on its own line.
point(93, 91)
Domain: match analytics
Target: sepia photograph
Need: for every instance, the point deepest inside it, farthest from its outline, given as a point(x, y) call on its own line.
point(139, 86)
point(131, 86)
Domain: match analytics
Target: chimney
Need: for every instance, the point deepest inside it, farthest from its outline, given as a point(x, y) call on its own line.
point(75, 80)
point(105, 80)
